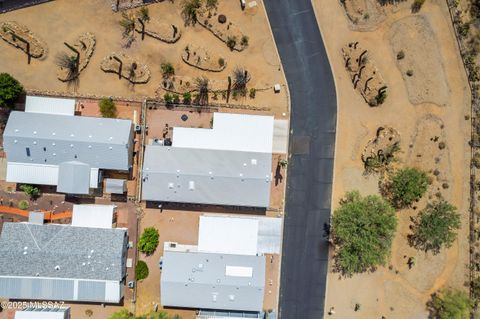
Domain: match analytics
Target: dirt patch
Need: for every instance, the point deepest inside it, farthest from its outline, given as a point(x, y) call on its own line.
point(421, 65)
point(363, 15)
point(429, 152)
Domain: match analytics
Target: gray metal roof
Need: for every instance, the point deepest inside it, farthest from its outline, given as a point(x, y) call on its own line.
point(205, 176)
point(79, 252)
point(73, 178)
point(52, 139)
point(115, 186)
point(199, 280)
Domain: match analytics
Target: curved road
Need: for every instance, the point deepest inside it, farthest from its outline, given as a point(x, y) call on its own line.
point(312, 146)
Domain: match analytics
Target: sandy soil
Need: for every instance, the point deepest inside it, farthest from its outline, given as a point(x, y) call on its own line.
point(415, 37)
point(65, 20)
point(394, 291)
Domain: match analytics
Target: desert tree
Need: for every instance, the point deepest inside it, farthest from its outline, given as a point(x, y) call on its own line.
point(450, 304)
point(202, 88)
point(10, 90)
point(435, 226)
point(190, 10)
point(128, 24)
point(362, 232)
point(69, 63)
point(107, 108)
point(240, 80)
point(406, 186)
point(168, 69)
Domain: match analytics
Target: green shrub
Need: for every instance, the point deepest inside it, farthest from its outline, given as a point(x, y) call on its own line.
point(212, 4)
point(31, 191)
point(167, 69)
point(108, 108)
point(189, 10)
point(450, 304)
point(10, 90)
point(187, 98)
point(231, 42)
point(244, 41)
point(417, 5)
point(435, 227)
point(221, 62)
point(407, 186)
point(253, 93)
point(148, 241)
point(141, 271)
point(359, 248)
point(23, 204)
point(168, 98)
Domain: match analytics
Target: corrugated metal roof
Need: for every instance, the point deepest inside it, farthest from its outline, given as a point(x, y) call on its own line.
point(51, 139)
point(115, 186)
point(99, 216)
point(50, 105)
point(206, 176)
point(67, 289)
point(199, 280)
point(43, 313)
point(233, 132)
point(73, 178)
point(32, 173)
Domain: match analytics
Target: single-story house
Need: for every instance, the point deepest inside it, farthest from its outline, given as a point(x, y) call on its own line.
point(229, 164)
point(199, 280)
point(48, 145)
point(62, 262)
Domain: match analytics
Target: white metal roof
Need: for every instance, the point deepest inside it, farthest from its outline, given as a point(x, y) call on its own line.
point(50, 105)
point(97, 216)
point(233, 132)
point(42, 314)
point(228, 235)
point(40, 174)
point(269, 236)
point(32, 173)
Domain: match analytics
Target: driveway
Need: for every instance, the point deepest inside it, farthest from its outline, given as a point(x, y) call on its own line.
point(312, 146)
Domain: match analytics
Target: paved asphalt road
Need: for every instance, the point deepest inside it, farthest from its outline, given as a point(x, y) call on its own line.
point(312, 146)
point(7, 5)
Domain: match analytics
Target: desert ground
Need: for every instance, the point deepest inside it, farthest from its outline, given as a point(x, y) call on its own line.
point(64, 20)
point(430, 106)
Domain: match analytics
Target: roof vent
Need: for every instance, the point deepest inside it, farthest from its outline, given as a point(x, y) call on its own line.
point(57, 267)
point(34, 132)
point(72, 135)
point(71, 145)
point(253, 161)
point(53, 144)
point(170, 185)
point(214, 297)
point(89, 146)
point(54, 133)
point(24, 252)
point(34, 142)
point(231, 297)
point(191, 185)
point(110, 148)
point(90, 136)
point(15, 141)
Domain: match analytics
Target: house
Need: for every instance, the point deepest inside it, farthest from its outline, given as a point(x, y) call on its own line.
point(62, 262)
point(224, 275)
point(43, 313)
point(48, 145)
point(229, 164)
point(193, 279)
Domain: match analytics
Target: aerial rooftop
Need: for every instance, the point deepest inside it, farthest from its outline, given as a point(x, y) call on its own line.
point(212, 281)
point(61, 262)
